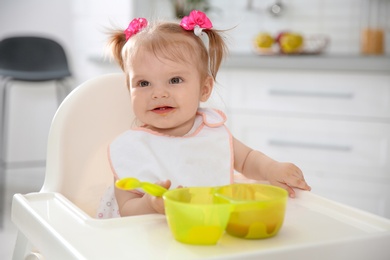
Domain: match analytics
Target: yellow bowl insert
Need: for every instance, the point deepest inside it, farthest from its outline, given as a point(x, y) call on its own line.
point(258, 211)
point(195, 216)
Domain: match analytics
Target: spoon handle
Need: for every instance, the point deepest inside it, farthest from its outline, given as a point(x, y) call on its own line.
point(153, 189)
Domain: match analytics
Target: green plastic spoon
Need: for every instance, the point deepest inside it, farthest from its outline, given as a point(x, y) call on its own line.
point(131, 183)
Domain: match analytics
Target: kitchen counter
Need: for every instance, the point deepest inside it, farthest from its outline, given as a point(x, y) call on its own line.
point(295, 62)
point(309, 62)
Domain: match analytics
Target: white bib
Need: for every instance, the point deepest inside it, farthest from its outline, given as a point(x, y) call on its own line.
point(202, 158)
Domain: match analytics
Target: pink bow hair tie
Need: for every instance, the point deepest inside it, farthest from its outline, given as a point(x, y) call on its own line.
point(196, 21)
point(136, 25)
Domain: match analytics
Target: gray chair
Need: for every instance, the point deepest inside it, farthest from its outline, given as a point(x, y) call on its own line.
point(31, 59)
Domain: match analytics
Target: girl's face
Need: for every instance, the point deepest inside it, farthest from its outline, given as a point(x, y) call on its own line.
point(166, 94)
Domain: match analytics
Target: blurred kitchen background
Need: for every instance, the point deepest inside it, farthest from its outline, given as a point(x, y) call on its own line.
point(327, 110)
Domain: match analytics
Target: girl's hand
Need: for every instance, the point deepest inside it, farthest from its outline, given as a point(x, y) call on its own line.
point(287, 176)
point(157, 203)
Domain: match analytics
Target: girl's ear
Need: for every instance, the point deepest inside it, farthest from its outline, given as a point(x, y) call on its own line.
point(207, 89)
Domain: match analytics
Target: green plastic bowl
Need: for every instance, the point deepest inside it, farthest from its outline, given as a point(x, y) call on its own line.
point(258, 210)
point(195, 216)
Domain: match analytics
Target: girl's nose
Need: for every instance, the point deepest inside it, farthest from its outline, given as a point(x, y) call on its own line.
point(160, 92)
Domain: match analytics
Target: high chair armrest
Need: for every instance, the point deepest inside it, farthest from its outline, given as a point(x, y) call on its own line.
point(32, 213)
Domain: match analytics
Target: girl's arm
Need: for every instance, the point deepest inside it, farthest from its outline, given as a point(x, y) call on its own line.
point(131, 204)
point(257, 166)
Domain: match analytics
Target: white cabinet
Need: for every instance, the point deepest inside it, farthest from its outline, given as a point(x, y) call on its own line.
point(334, 125)
point(316, 93)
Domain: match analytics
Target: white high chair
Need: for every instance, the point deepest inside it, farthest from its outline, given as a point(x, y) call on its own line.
point(57, 222)
point(84, 124)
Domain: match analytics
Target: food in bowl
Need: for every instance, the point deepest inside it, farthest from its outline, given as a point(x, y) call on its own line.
point(195, 216)
point(258, 209)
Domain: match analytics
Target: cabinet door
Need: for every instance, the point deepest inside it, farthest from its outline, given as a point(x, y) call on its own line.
point(359, 95)
point(320, 146)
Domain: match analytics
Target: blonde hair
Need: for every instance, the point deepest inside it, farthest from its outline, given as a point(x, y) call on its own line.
point(170, 41)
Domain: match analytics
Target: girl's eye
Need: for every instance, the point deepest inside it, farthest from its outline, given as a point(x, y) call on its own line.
point(143, 83)
point(175, 80)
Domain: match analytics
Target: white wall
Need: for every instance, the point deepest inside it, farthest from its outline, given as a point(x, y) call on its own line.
point(91, 21)
point(38, 16)
point(341, 20)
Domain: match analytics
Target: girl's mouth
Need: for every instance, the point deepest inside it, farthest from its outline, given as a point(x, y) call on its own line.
point(163, 110)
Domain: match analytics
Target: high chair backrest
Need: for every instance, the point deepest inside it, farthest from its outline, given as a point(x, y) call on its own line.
point(85, 123)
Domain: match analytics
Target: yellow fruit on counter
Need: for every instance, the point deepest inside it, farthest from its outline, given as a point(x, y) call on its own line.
point(264, 40)
point(290, 43)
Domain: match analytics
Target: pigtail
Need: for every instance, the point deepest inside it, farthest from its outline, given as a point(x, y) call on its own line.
point(217, 50)
point(116, 43)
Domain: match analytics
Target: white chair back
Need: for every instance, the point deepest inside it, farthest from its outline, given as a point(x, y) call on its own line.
point(86, 122)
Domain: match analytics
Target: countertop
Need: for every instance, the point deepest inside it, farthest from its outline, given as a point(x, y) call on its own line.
point(309, 62)
point(293, 62)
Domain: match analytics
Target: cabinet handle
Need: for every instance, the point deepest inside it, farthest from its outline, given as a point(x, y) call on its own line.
point(319, 146)
point(282, 92)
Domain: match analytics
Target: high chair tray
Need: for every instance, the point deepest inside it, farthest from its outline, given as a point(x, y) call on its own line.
point(314, 228)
